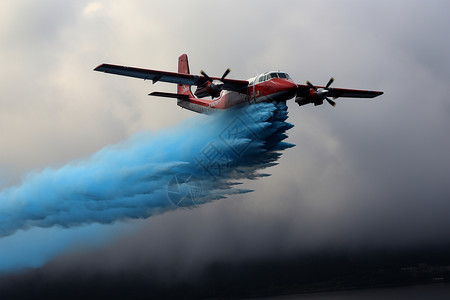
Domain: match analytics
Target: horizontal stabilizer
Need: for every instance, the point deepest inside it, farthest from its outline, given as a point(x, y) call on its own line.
point(170, 95)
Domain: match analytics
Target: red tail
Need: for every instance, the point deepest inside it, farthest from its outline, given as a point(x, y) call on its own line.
point(183, 67)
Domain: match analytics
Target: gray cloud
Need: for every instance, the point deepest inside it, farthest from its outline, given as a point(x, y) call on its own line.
point(369, 173)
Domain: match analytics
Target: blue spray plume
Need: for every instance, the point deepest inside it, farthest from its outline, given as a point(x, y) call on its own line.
point(201, 160)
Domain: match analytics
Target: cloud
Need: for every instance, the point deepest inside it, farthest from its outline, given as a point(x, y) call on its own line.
point(369, 173)
point(92, 8)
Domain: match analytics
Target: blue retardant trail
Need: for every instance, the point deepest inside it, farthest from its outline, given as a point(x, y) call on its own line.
point(34, 247)
point(200, 160)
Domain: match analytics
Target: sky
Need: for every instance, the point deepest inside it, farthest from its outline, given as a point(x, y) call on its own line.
point(365, 174)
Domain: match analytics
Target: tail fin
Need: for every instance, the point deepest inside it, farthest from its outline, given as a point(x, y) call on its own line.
point(183, 64)
point(183, 67)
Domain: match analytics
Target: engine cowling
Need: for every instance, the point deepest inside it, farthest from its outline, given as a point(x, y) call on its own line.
point(316, 95)
point(211, 87)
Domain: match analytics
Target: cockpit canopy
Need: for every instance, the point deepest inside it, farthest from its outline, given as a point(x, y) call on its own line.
point(270, 75)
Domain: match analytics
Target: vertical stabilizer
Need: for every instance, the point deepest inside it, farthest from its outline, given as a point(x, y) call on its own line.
point(183, 67)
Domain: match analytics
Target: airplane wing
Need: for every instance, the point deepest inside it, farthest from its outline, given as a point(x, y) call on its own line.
point(302, 90)
point(317, 94)
point(171, 77)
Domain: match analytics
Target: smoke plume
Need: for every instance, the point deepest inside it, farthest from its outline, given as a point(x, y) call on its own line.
point(201, 160)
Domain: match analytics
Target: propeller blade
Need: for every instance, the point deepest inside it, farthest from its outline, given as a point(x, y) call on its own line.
point(311, 85)
point(206, 75)
point(227, 71)
point(329, 82)
point(332, 103)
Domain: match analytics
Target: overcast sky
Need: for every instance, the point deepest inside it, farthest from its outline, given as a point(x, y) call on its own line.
point(365, 173)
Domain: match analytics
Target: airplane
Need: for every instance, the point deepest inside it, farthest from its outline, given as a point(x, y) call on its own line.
point(226, 93)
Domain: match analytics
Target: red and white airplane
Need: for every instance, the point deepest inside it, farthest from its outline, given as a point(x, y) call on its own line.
point(226, 93)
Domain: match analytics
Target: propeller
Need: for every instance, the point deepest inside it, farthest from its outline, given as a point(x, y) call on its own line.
point(215, 86)
point(227, 71)
point(206, 75)
point(321, 93)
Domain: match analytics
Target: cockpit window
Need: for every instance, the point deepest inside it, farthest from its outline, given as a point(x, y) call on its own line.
point(269, 76)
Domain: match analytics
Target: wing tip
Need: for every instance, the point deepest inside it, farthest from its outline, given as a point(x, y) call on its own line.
point(99, 67)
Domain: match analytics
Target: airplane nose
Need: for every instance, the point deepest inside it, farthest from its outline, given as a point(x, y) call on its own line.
point(288, 86)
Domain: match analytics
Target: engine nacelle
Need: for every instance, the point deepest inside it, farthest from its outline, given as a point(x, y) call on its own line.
point(313, 96)
point(212, 89)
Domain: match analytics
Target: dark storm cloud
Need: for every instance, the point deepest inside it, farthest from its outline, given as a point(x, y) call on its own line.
point(367, 174)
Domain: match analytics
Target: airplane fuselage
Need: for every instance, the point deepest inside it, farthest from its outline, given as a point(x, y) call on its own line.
point(267, 87)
